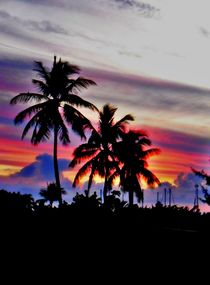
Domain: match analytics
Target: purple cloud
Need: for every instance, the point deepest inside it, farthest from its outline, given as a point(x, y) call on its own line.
point(36, 175)
point(183, 190)
point(42, 169)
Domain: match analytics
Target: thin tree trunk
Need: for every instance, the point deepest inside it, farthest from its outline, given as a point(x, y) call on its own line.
point(105, 182)
point(130, 197)
point(55, 158)
point(131, 193)
point(105, 188)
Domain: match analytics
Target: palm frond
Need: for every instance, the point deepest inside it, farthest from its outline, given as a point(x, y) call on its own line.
point(150, 178)
point(73, 99)
point(27, 97)
point(62, 129)
point(78, 122)
point(124, 120)
point(83, 152)
point(30, 124)
point(44, 126)
point(89, 154)
point(42, 71)
point(144, 141)
point(107, 112)
point(28, 112)
point(41, 133)
point(145, 154)
point(82, 172)
point(42, 87)
point(79, 83)
point(90, 180)
point(65, 67)
point(95, 138)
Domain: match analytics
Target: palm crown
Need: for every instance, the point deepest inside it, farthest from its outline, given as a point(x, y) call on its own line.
point(57, 92)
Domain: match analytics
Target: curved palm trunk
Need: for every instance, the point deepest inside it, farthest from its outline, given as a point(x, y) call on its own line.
point(55, 159)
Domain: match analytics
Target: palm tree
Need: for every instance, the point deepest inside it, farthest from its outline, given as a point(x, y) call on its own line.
point(132, 155)
point(51, 193)
point(98, 149)
point(55, 106)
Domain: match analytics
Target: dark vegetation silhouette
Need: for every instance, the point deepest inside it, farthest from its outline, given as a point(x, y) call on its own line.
point(206, 178)
point(56, 107)
point(88, 213)
point(85, 201)
point(51, 193)
point(16, 202)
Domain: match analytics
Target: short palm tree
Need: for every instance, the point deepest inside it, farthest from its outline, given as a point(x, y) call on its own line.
point(98, 150)
point(51, 193)
point(55, 105)
point(132, 155)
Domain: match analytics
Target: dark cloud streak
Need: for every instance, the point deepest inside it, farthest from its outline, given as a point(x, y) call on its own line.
point(135, 80)
point(145, 9)
point(9, 23)
point(204, 32)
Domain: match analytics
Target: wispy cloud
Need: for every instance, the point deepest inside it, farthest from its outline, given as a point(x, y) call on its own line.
point(40, 2)
point(180, 141)
point(44, 26)
point(204, 32)
point(142, 7)
point(137, 80)
point(170, 101)
point(15, 76)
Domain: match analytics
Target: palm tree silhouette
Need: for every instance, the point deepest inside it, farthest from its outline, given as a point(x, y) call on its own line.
point(98, 149)
point(133, 156)
point(55, 106)
point(51, 193)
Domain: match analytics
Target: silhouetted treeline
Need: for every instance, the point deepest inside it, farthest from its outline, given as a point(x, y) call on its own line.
point(87, 213)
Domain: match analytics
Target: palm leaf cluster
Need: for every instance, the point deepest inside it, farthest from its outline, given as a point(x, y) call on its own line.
point(57, 92)
point(133, 152)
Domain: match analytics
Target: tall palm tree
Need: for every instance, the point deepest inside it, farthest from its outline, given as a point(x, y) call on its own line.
point(55, 105)
point(132, 155)
point(98, 150)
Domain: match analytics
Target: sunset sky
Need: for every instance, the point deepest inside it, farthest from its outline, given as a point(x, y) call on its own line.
point(149, 58)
